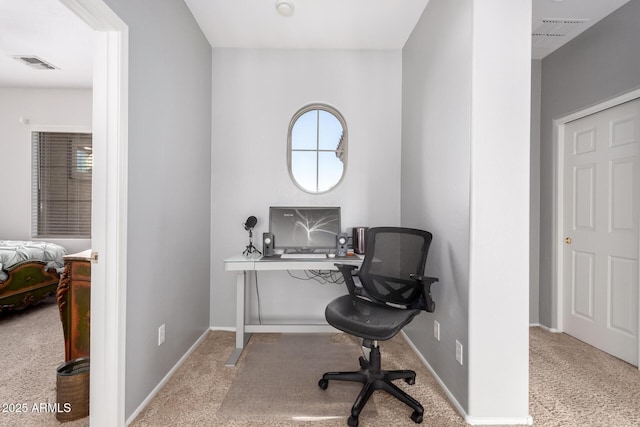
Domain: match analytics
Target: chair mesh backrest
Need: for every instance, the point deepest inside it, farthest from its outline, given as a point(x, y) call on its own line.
point(392, 254)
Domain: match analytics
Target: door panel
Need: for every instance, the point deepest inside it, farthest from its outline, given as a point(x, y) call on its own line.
point(601, 218)
point(622, 198)
point(584, 209)
point(622, 276)
point(583, 285)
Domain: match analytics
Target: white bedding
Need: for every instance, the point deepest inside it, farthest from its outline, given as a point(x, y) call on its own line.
point(13, 252)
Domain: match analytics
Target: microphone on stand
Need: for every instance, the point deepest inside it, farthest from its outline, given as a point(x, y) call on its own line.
point(248, 225)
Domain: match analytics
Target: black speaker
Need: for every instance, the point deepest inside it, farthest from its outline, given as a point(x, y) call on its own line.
point(267, 244)
point(341, 244)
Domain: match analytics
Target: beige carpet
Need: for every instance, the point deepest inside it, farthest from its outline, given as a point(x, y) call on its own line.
point(574, 384)
point(32, 349)
point(571, 383)
point(204, 392)
point(279, 380)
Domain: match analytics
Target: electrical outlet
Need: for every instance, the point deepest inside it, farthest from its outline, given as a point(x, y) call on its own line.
point(459, 353)
point(436, 330)
point(161, 334)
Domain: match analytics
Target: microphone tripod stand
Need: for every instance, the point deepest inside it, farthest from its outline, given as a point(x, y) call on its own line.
point(248, 225)
point(250, 248)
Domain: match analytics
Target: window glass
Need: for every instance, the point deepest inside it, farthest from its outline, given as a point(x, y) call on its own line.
point(304, 133)
point(332, 169)
point(303, 168)
point(61, 192)
point(330, 131)
point(317, 148)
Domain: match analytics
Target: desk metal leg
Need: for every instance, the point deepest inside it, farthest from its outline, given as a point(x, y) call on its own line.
point(241, 336)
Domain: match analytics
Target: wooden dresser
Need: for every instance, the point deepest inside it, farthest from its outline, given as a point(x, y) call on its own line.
point(74, 302)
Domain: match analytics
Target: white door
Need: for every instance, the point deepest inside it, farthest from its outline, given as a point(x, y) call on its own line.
point(600, 265)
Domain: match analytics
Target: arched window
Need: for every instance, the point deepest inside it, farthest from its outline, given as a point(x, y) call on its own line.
point(317, 148)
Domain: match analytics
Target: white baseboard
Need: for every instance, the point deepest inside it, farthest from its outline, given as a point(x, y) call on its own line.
point(488, 421)
point(166, 378)
point(546, 328)
point(528, 420)
point(222, 328)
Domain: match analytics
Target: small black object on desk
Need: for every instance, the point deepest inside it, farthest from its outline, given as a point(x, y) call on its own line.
point(248, 225)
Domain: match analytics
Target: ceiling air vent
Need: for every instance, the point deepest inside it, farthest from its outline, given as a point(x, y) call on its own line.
point(550, 31)
point(35, 62)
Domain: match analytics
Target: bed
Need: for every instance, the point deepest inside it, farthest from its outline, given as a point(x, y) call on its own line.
point(29, 272)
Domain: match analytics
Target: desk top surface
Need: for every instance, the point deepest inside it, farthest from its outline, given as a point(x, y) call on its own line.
point(257, 262)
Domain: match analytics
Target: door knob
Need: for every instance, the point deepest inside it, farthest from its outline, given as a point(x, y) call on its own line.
point(567, 240)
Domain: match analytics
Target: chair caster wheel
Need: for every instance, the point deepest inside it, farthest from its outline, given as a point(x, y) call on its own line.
point(416, 417)
point(352, 421)
point(323, 384)
point(410, 381)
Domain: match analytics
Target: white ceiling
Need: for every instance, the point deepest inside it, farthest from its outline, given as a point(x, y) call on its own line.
point(315, 24)
point(575, 16)
point(48, 30)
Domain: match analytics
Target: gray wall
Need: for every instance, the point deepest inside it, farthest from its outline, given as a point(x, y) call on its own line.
point(466, 126)
point(169, 188)
point(534, 237)
point(436, 103)
point(599, 64)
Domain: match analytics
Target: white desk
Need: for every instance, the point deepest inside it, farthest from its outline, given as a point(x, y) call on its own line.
point(243, 264)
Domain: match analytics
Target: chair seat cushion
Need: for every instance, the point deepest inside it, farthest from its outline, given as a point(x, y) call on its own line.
point(367, 319)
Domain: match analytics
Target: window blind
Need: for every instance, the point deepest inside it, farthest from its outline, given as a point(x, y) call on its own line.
point(61, 176)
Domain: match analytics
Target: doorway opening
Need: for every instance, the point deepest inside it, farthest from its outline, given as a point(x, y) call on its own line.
point(597, 221)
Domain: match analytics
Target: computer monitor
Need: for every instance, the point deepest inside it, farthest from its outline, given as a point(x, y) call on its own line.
point(304, 229)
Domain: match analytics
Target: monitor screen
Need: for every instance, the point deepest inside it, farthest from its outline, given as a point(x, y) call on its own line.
point(304, 228)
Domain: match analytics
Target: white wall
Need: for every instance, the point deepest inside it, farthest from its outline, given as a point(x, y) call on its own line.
point(465, 177)
point(45, 109)
point(255, 94)
point(499, 258)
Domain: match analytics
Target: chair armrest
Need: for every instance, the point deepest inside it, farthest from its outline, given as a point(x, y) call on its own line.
point(347, 271)
point(424, 279)
point(426, 282)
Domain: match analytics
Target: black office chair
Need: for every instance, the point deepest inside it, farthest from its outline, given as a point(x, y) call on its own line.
point(392, 291)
